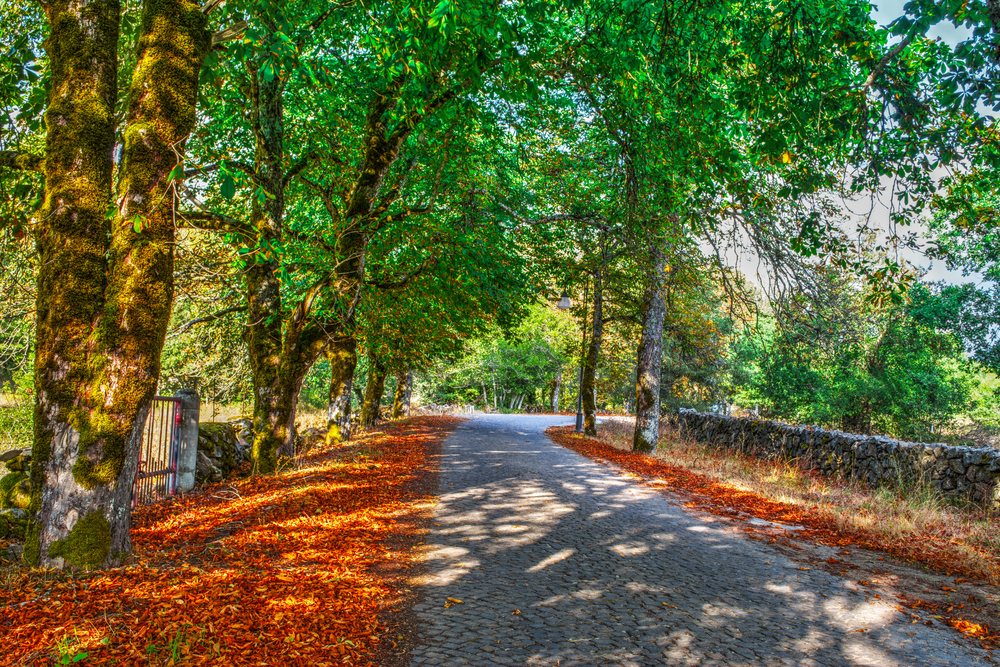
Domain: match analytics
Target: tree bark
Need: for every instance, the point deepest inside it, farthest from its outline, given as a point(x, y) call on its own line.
point(650, 357)
point(343, 356)
point(104, 290)
point(593, 356)
point(401, 401)
point(556, 390)
point(373, 392)
point(263, 334)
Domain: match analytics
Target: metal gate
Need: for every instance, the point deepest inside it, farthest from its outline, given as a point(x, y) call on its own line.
point(156, 477)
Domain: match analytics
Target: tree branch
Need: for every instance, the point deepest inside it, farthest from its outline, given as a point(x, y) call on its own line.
point(232, 164)
point(880, 65)
point(207, 318)
point(298, 167)
point(20, 160)
point(311, 240)
point(230, 33)
point(403, 282)
point(217, 222)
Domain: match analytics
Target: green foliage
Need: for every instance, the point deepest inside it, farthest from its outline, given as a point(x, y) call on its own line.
point(969, 311)
point(506, 371)
point(847, 364)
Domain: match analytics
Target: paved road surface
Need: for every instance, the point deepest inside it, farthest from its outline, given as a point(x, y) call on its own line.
point(560, 561)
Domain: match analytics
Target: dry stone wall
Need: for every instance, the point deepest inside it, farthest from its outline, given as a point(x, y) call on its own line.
point(222, 447)
point(966, 472)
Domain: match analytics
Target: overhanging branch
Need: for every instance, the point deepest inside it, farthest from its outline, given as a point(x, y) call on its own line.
point(230, 33)
point(21, 160)
point(207, 318)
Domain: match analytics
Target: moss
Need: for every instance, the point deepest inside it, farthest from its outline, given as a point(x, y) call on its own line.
point(32, 553)
point(88, 544)
point(10, 493)
point(342, 354)
point(265, 451)
point(373, 392)
point(12, 528)
point(334, 433)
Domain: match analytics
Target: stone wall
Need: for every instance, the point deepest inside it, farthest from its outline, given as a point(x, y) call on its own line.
point(222, 448)
point(966, 472)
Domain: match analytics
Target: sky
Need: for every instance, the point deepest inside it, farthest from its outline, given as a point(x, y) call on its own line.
point(884, 13)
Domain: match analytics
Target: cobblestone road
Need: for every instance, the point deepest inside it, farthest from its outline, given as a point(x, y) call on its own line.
point(559, 561)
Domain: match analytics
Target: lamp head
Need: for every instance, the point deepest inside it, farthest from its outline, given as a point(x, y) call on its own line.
point(564, 301)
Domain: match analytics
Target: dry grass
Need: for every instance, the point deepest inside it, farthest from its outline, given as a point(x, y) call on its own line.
point(310, 418)
point(222, 412)
point(914, 512)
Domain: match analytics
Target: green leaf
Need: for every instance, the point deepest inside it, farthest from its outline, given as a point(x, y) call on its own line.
point(177, 173)
point(228, 187)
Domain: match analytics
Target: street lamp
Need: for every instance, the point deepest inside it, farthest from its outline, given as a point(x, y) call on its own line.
point(566, 304)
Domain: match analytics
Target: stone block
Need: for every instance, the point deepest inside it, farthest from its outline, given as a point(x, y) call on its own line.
point(974, 457)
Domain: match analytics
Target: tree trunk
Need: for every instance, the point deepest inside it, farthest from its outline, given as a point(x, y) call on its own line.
point(104, 290)
point(281, 348)
point(649, 358)
point(343, 351)
point(556, 390)
point(590, 364)
point(401, 401)
point(343, 356)
point(304, 341)
point(373, 392)
point(263, 333)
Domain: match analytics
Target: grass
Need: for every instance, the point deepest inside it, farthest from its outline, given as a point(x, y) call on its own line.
point(969, 534)
point(15, 422)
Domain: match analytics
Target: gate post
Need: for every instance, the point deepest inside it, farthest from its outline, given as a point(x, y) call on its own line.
point(187, 451)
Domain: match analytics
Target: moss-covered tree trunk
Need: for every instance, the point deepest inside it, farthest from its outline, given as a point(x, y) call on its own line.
point(374, 391)
point(401, 399)
point(273, 406)
point(593, 356)
point(342, 354)
point(650, 357)
point(104, 284)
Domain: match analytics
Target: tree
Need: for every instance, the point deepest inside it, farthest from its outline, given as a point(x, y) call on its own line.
point(839, 358)
point(414, 70)
point(105, 239)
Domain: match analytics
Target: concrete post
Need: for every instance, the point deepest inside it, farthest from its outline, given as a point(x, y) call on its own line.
point(187, 456)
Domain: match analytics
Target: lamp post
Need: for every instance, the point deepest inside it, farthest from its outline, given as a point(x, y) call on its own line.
point(566, 304)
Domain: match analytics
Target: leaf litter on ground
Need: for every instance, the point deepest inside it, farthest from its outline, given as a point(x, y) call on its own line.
point(278, 570)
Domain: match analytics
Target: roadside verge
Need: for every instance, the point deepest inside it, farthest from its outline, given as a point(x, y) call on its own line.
point(963, 597)
point(291, 569)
